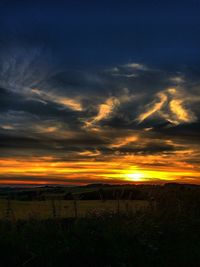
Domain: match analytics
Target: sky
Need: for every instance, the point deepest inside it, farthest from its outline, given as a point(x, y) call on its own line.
point(99, 92)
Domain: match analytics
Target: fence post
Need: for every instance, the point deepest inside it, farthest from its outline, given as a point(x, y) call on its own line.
point(9, 216)
point(53, 205)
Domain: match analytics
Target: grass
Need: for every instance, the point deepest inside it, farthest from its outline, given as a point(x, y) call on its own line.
point(161, 232)
point(65, 208)
point(102, 240)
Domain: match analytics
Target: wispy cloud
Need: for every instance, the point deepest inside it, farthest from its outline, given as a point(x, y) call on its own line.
point(153, 107)
point(108, 108)
point(89, 153)
point(135, 66)
point(180, 113)
point(170, 105)
point(130, 70)
point(178, 79)
point(123, 141)
point(61, 100)
point(23, 67)
point(104, 111)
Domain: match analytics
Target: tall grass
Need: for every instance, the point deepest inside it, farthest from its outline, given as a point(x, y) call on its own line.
point(151, 238)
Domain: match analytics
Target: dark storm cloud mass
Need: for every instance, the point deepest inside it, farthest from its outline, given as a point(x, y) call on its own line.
point(63, 113)
point(94, 81)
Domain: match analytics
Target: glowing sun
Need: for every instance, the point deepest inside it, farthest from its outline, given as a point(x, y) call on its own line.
point(136, 176)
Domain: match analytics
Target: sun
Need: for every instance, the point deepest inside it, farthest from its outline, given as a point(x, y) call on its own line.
point(135, 176)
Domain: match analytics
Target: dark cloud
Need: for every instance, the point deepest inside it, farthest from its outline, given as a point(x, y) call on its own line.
point(39, 118)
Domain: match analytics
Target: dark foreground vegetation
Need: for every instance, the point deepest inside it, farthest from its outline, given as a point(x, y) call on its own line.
point(166, 234)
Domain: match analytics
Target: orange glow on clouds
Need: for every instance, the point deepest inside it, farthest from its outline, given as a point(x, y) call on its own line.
point(49, 170)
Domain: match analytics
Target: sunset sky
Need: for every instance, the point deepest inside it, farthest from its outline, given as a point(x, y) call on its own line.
point(99, 92)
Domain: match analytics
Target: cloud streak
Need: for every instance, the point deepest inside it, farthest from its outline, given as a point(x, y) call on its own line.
point(170, 105)
point(60, 100)
point(153, 107)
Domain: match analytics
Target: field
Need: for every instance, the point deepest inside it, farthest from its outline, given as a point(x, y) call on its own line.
point(101, 226)
point(23, 210)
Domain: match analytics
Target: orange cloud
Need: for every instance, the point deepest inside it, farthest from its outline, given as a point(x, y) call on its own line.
point(123, 141)
point(152, 108)
point(61, 100)
point(170, 105)
point(104, 111)
point(108, 169)
point(180, 112)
